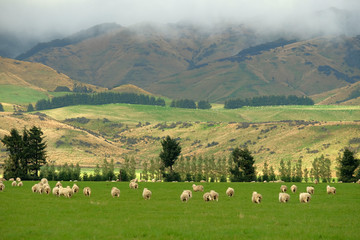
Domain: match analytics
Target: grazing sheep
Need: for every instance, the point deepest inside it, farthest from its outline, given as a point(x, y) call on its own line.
point(133, 185)
point(115, 192)
point(18, 179)
point(310, 190)
point(189, 193)
point(134, 180)
point(284, 197)
point(304, 197)
point(56, 191)
point(198, 188)
point(20, 184)
point(75, 188)
point(70, 192)
point(40, 188)
point(44, 181)
point(58, 184)
point(14, 184)
point(316, 181)
point(47, 189)
point(2, 187)
point(87, 191)
point(11, 179)
point(358, 181)
point(214, 195)
point(146, 194)
point(184, 197)
point(330, 189)
point(207, 197)
point(34, 188)
point(202, 181)
point(230, 192)
point(256, 197)
point(293, 188)
point(283, 188)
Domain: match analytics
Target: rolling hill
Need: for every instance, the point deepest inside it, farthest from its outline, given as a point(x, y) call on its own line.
point(227, 61)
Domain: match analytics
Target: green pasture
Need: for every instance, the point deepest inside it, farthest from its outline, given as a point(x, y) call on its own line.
point(27, 215)
point(131, 113)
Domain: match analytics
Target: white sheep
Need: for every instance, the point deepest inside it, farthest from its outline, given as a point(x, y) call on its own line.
point(256, 197)
point(146, 194)
point(20, 184)
point(58, 184)
point(47, 189)
point(70, 192)
point(44, 181)
point(358, 181)
point(87, 191)
point(133, 185)
point(18, 179)
point(330, 189)
point(40, 188)
point(283, 188)
point(14, 184)
point(284, 197)
point(184, 197)
point(75, 188)
point(293, 188)
point(56, 191)
point(34, 188)
point(207, 197)
point(134, 180)
point(304, 197)
point(202, 181)
point(214, 195)
point(230, 192)
point(198, 188)
point(189, 193)
point(115, 192)
point(2, 187)
point(11, 179)
point(310, 190)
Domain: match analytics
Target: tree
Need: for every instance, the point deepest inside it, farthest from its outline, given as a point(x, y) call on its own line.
point(315, 170)
point(265, 172)
point(272, 175)
point(1, 108)
point(282, 170)
point(298, 171)
point(30, 108)
point(170, 152)
point(348, 163)
point(306, 175)
point(35, 149)
point(203, 105)
point(244, 169)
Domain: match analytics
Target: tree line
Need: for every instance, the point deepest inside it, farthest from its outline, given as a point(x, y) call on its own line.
point(268, 101)
point(191, 104)
point(97, 99)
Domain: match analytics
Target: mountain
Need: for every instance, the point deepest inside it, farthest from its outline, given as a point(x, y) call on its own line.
point(218, 63)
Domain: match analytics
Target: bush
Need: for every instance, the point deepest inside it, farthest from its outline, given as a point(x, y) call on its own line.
point(172, 176)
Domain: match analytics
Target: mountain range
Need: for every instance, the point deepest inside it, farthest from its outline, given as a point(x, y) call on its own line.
point(215, 64)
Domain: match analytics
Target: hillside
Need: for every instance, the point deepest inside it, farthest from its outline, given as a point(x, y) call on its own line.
point(88, 134)
point(186, 61)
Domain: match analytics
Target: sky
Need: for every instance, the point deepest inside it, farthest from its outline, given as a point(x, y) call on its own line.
point(45, 19)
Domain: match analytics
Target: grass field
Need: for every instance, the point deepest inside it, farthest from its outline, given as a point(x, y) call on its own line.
point(27, 215)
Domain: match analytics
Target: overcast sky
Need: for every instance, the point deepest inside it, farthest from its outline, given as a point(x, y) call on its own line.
point(63, 17)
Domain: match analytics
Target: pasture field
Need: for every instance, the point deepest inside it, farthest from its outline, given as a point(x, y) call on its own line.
point(27, 215)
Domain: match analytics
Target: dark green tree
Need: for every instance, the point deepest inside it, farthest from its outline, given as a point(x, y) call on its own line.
point(1, 108)
point(30, 108)
point(265, 172)
point(171, 150)
point(203, 105)
point(35, 149)
point(315, 170)
point(244, 169)
point(347, 165)
point(282, 170)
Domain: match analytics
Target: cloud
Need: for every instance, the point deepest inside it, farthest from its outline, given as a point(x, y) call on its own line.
point(48, 18)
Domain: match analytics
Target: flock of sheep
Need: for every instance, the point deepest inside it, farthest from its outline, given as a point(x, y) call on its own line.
point(44, 187)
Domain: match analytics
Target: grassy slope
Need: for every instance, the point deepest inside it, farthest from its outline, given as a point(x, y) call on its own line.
point(166, 217)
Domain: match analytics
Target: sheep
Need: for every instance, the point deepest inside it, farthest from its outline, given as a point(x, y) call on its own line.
point(2, 187)
point(20, 184)
point(40, 189)
point(330, 189)
point(133, 185)
point(283, 188)
point(304, 197)
point(47, 189)
point(230, 192)
point(293, 188)
point(75, 188)
point(184, 197)
point(146, 194)
point(198, 188)
point(310, 190)
point(34, 188)
point(58, 184)
point(11, 179)
point(18, 179)
point(202, 181)
point(66, 192)
point(189, 193)
point(134, 180)
point(284, 197)
point(14, 184)
point(256, 197)
point(214, 195)
point(87, 191)
point(207, 197)
point(56, 191)
point(358, 181)
point(115, 192)
point(316, 181)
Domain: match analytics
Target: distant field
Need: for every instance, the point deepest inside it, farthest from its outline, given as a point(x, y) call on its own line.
point(140, 113)
point(27, 215)
point(20, 95)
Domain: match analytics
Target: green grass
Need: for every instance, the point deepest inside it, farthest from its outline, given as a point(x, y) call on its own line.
point(26, 215)
point(20, 95)
point(130, 113)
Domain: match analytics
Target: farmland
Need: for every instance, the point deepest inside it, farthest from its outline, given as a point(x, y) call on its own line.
point(166, 217)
